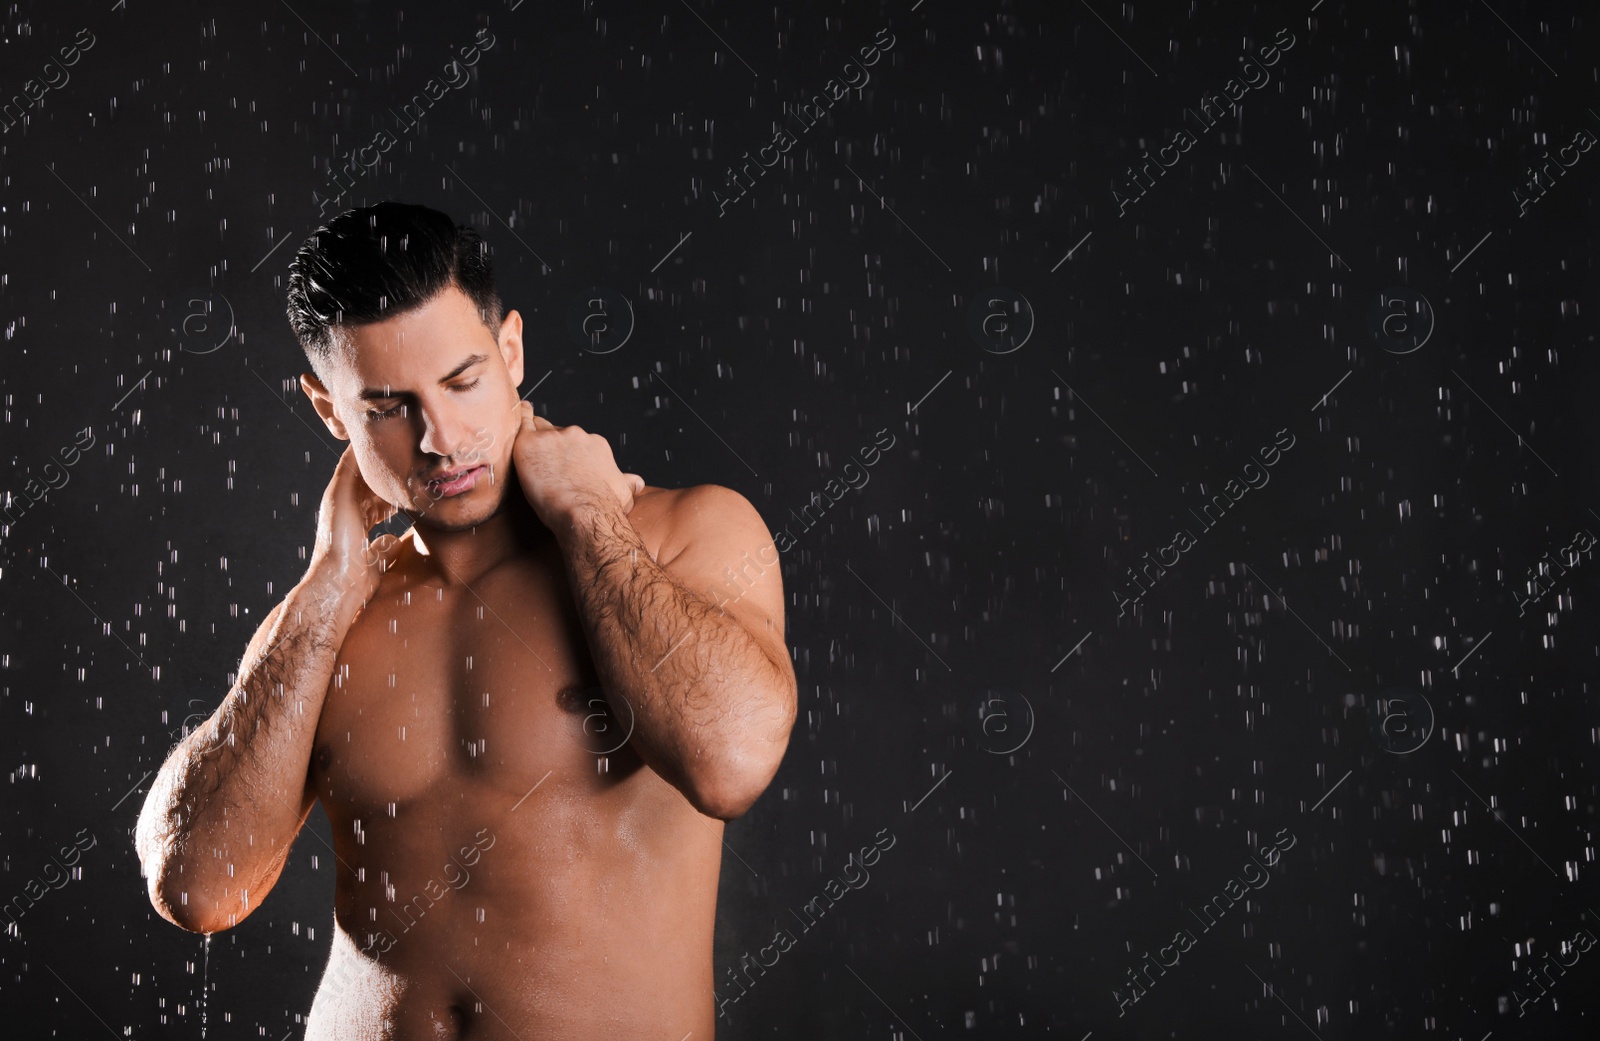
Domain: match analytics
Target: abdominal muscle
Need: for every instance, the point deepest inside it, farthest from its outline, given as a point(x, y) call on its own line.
point(570, 917)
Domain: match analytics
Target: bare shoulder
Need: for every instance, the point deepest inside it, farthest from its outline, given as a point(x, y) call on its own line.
point(670, 519)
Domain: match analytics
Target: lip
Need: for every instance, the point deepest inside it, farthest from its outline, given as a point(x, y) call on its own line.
point(456, 482)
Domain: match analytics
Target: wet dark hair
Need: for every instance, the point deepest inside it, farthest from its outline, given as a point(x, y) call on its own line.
point(375, 262)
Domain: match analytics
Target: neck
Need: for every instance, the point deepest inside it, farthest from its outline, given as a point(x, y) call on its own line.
point(462, 557)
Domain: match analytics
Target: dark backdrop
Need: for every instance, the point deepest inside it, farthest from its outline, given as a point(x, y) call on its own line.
point(1360, 660)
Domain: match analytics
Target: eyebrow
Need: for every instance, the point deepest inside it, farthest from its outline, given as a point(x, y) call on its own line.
point(384, 393)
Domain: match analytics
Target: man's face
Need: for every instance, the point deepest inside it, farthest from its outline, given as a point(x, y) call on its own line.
point(428, 401)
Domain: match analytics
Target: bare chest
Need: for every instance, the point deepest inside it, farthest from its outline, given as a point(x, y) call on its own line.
point(487, 691)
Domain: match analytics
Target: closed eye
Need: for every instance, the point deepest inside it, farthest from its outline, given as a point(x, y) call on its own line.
point(399, 408)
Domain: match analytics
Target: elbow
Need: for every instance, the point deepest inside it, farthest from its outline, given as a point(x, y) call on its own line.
point(178, 913)
point(170, 895)
point(728, 779)
point(728, 789)
point(177, 895)
point(725, 801)
point(198, 905)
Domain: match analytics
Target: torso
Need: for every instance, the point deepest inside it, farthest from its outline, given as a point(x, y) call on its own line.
point(497, 875)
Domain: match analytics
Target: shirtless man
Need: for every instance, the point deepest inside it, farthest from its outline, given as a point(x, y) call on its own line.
point(527, 718)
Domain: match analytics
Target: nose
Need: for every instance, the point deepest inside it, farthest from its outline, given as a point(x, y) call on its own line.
point(445, 432)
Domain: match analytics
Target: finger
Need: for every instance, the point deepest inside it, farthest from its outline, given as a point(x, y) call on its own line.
point(637, 481)
point(374, 510)
point(378, 511)
point(374, 552)
point(350, 468)
point(385, 548)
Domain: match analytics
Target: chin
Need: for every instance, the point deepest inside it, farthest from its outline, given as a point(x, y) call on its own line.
point(459, 514)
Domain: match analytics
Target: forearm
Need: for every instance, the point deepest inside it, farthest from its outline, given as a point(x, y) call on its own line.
point(700, 690)
point(227, 802)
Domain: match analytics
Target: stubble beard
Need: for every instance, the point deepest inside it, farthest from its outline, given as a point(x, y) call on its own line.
point(429, 516)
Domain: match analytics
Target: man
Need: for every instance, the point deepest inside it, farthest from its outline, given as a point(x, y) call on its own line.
point(527, 718)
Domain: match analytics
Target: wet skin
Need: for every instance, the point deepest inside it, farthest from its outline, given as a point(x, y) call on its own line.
point(526, 719)
point(458, 759)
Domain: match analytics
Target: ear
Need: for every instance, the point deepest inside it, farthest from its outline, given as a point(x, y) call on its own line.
point(511, 346)
point(322, 401)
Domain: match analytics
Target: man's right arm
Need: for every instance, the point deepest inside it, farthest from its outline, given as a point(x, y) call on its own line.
point(226, 805)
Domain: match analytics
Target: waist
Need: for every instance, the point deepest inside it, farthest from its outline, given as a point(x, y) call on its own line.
point(486, 972)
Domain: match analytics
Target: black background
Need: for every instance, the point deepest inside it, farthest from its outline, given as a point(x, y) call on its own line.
point(961, 602)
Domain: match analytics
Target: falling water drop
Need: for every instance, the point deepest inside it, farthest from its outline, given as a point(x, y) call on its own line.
point(205, 984)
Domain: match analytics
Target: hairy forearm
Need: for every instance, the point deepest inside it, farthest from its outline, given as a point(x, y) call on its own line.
point(226, 804)
point(707, 702)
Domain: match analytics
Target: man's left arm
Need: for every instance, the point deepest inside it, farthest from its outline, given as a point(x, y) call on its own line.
point(706, 676)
